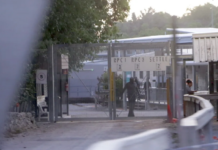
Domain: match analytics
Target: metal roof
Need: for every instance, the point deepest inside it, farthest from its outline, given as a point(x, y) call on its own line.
point(181, 38)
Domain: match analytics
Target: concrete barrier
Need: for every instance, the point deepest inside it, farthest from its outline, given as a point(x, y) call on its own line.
point(191, 131)
point(158, 139)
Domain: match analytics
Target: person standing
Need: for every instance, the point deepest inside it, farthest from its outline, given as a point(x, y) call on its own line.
point(147, 90)
point(137, 82)
point(132, 93)
point(188, 87)
point(188, 91)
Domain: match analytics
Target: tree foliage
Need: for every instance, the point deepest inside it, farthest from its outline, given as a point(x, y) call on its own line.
point(118, 83)
point(151, 22)
point(84, 21)
point(73, 22)
point(200, 16)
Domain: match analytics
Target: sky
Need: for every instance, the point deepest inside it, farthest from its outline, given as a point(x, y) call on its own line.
point(173, 7)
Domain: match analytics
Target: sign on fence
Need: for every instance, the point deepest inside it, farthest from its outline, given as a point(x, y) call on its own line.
point(142, 63)
point(64, 62)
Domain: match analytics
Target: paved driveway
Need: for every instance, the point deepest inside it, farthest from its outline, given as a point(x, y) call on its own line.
point(79, 135)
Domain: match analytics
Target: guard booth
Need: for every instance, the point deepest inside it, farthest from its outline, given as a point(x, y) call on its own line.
point(206, 50)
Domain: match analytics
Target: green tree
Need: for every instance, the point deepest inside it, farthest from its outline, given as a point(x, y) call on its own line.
point(148, 23)
point(151, 22)
point(134, 17)
point(118, 83)
point(77, 21)
point(199, 16)
point(83, 21)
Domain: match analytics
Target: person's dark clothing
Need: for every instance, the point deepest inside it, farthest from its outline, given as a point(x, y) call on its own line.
point(137, 82)
point(132, 90)
point(131, 108)
point(132, 93)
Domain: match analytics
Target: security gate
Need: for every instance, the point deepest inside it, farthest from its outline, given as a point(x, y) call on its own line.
point(73, 90)
point(93, 90)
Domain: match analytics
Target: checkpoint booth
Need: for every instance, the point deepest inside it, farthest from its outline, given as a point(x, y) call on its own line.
point(205, 47)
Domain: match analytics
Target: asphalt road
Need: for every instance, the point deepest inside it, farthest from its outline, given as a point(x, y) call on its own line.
point(79, 135)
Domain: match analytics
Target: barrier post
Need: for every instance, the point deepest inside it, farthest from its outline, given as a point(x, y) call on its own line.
point(190, 130)
point(208, 132)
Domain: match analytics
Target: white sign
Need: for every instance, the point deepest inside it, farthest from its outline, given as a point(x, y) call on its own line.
point(142, 63)
point(64, 62)
point(41, 76)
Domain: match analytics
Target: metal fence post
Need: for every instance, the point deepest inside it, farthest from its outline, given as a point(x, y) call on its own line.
point(147, 107)
point(109, 87)
point(173, 56)
point(56, 86)
point(35, 100)
point(114, 98)
point(158, 89)
point(50, 82)
point(114, 89)
point(124, 82)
